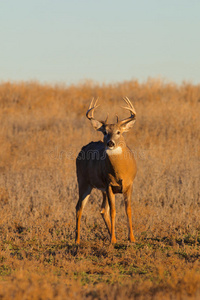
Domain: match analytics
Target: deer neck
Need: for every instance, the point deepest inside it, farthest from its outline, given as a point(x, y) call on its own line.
point(119, 155)
point(117, 151)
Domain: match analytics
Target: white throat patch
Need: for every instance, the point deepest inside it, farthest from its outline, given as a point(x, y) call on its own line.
point(116, 151)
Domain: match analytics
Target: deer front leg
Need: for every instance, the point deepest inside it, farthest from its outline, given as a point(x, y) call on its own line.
point(111, 200)
point(127, 200)
point(105, 212)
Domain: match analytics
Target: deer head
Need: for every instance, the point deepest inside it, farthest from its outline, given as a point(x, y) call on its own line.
point(113, 133)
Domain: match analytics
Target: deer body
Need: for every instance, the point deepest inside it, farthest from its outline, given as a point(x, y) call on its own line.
point(109, 166)
point(117, 169)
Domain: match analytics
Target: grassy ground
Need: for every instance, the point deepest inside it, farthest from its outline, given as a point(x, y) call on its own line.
point(42, 129)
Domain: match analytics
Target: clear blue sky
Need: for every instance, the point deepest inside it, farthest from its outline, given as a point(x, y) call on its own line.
point(106, 41)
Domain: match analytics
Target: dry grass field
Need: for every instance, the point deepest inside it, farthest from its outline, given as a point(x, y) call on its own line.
point(42, 128)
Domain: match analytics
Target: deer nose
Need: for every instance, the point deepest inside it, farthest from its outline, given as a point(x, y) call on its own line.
point(110, 144)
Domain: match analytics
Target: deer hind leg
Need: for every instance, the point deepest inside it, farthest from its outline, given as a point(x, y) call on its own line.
point(111, 200)
point(83, 197)
point(127, 200)
point(105, 212)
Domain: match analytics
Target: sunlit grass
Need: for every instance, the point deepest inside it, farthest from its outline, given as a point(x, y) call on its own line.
point(42, 129)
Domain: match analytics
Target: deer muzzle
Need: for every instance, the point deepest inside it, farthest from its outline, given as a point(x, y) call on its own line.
point(110, 144)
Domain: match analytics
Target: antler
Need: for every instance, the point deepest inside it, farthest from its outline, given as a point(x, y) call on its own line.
point(90, 112)
point(131, 109)
point(91, 109)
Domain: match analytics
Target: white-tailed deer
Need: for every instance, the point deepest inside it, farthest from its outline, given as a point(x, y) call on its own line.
point(108, 166)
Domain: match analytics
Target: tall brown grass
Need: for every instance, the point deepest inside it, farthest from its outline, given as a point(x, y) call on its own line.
point(42, 128)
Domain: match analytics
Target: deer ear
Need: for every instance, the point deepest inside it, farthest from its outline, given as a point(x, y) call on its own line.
point(127, 125)
point(96, 124)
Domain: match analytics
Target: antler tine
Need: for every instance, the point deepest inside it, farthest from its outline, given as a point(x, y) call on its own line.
point(130, 106)
point(91, 103)
point(126, 99)
point(131, 109)
point(106, 120)
point(91, 109)
point(117, 118)
point(128, 102)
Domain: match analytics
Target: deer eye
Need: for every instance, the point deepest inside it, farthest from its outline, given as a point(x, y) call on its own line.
point(118, 132)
